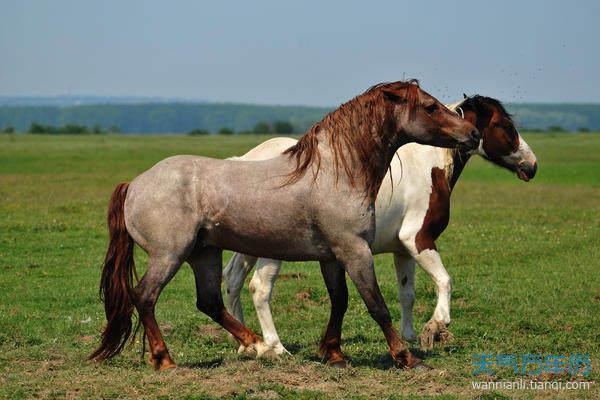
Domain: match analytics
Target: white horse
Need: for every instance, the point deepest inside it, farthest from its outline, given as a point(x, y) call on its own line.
point(409, 217)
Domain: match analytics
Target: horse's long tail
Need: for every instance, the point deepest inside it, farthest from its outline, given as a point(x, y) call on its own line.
point(117, 280)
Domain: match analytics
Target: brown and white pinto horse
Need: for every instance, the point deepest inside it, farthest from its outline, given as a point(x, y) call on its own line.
point(409, 217)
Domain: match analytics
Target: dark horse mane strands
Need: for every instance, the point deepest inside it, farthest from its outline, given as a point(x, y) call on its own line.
point(478, 100)
point(353, 137)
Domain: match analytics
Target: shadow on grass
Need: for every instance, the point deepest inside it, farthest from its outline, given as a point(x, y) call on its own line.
point(381, 361)
point(217, 362)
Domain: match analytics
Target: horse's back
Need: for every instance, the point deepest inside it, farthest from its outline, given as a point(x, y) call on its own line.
point(268, 149)
point(226, 204)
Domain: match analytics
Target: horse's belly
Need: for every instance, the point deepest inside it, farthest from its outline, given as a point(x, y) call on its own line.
point(288, 245)
point(392, 244)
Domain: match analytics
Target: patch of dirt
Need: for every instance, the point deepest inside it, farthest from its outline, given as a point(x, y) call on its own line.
point(264, 394)
point(211, 330)
point(293, 275)
point(305, 297)
point(420, 308)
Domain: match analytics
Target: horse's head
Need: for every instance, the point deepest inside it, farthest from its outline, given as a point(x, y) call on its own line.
point(421, 118)
point(501, 143)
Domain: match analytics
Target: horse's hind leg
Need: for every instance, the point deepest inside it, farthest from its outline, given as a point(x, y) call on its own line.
point(207, 265)
point(160, 271)
point(405, 272)
point(234, 275)
point(335, 280)
point(261, 287)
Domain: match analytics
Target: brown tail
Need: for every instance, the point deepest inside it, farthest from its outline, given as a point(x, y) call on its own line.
point(117, 279)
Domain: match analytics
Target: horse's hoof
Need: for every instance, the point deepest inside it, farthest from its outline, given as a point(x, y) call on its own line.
point(445, 336)
point(426, 341)
point(248, 351)
point(265, 351)
point(280, 350)
point(421, 367)
point(427, 337)
point(410, 337)
point(434, 332)
point(166, 366)
point(340, 364)
point(162, 364)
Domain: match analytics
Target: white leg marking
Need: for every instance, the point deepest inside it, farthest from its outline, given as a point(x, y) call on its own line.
point(405, 271)
point(431, 262)
point(261, 287)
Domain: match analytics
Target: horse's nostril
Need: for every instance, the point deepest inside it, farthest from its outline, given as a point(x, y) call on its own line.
point(533, 169)
point(475, 134)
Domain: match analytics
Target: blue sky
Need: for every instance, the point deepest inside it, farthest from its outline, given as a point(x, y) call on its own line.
point(303, 52)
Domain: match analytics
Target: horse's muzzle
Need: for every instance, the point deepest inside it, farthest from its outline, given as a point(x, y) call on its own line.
point(472, 142)
point(526, 171)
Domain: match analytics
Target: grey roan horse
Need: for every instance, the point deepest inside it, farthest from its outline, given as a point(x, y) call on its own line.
point(314, 202)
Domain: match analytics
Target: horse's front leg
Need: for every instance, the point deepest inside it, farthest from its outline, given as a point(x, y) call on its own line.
point(358, 262)
point(436, 329)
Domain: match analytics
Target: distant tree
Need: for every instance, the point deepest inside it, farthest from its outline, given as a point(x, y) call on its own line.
point(196, 132)
point(226, 131)
point(8, 129)
point(283, 127)
point(40, 129)
point(114, 129)
point(261, 127)
point(73, 129)
point(556, 128)
point(583, 129)
point(97, 130)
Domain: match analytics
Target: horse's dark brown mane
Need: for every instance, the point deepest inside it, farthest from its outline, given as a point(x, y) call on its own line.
point(361, 132)
point(478, 100)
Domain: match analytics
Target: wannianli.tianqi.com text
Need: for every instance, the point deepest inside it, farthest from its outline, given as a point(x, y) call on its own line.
point(526, 384)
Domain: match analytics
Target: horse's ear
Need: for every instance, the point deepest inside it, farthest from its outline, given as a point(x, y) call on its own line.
point(391, 96)
point(465, 96)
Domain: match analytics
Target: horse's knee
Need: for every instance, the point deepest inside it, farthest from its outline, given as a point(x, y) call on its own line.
point(380, 313)
point(261, 293)
point(213, 309)
point(407, 298)
point(444, 283)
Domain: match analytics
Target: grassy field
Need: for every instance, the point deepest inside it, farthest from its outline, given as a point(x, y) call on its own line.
point(524, 257)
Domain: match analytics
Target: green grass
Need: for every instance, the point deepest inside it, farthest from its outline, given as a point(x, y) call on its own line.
point(524, 258)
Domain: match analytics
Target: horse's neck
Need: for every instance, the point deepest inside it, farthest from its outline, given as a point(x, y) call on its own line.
point(360, 174)
point(455, 161)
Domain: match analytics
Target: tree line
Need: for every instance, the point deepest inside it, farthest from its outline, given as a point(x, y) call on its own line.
point(67, 129)
point(261, 127)
point(162, 118)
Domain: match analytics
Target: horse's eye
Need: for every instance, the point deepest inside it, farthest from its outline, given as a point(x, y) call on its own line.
point(431, 108)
